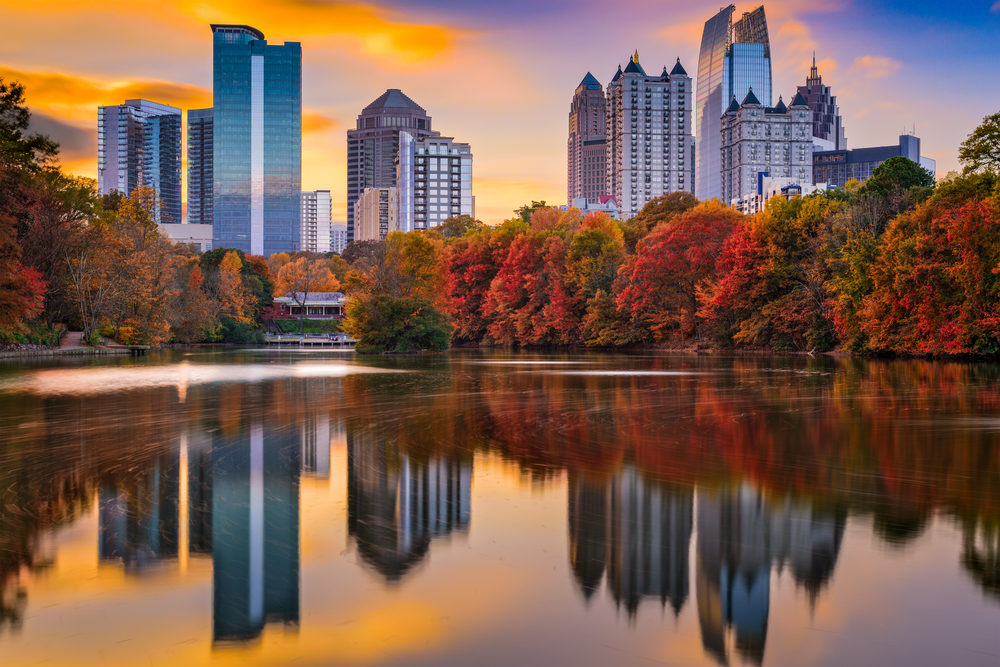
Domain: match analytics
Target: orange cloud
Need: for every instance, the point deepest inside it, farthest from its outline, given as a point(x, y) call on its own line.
point(876, 67)
point(375, 29)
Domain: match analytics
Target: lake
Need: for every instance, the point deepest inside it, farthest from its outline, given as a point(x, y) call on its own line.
point(265, 507)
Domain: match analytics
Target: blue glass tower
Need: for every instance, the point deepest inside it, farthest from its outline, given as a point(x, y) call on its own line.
point(257, 147)
point(735, 57)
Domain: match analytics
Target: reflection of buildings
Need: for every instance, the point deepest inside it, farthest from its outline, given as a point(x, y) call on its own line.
point(639, 531)
point(316, 447)
point(397, 503)
point(740, 535)
point(241, 505)
point(138, 516)
point(255, 531)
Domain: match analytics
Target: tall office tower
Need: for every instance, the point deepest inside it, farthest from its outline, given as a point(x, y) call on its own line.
point(734, 58)
point(375, 214)
point(316, 208)
point(199, 150)
point(828, 126)
point(373, 146)
point(139, 144)
point(648, 135)
point(586, 168)
point(257, 147)
point(338, 237)
point(434, 177)
point(758, 140)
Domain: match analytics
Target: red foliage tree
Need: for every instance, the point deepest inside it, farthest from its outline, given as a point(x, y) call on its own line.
point(658, 287)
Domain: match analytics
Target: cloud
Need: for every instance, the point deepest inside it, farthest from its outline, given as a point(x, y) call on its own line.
point(316, 121)
point(876, 67)
point(995, 8)
point(379, 31)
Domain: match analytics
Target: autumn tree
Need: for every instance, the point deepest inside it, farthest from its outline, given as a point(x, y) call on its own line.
point(458, 226)
point(657, 211)
point(396, 297)
point(659, 285)
point(301, 277)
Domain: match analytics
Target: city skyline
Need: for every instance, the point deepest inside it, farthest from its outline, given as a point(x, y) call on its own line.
point(877, 74)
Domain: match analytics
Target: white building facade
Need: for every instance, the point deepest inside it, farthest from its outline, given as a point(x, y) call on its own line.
point(434, 177)
point(338, 237)
point(316, 213)
point(649, 135)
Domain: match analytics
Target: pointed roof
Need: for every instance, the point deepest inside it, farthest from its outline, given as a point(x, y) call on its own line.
point(678, 70)
point(636, 57)
point(751, 98)
point(734, 106)
point(618, 74)
point(781, 108)
point(798, 101)
point(394, 99)
point(634, 67)
point(664, 75)
point(590, 82)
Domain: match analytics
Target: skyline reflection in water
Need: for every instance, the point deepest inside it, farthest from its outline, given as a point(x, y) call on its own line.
point(549, 507)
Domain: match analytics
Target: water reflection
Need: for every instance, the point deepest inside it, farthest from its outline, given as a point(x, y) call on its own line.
point(399, 501)
point(728, 476)
point(742, 535)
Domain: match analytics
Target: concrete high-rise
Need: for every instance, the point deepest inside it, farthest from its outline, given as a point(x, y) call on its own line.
point(734, 58)
point(828, 126)
point(434, 177)
point(316, 210)
point(373, 146)
point(375, 214)
point(199, 149)
point(648, 135)
point(257, 142)
point(586, 174)
point(139, 145)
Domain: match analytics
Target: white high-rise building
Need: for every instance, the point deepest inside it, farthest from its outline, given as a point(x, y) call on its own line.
point(316, 212)
point(648, 135)
point(338, 237)
point(434, 177)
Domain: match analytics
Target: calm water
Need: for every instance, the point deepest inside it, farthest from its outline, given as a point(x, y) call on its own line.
point(263, 507)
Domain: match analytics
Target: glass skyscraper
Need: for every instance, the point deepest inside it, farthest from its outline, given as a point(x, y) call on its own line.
point(139, 144)
point(257, 142)
point(734, 58)
point(200, 191)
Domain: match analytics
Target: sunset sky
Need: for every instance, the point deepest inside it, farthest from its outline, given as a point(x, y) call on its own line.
point(498, 75)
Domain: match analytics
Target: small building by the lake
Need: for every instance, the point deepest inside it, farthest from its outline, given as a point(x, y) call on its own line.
point(318, 306)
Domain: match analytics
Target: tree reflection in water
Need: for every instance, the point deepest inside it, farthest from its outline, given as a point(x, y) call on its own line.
point(763, 462)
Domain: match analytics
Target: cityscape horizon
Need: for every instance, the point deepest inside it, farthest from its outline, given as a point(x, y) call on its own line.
point(866, 78)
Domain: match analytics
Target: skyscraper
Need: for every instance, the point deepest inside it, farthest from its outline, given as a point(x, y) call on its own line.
point(586, 176)
point(257, 142)
point(199, 150)
point(828, 126)
point(434, 177)
point(373, 146)
point(139, 145)
point(316, 207)
point(734, 58)
point(648, 135)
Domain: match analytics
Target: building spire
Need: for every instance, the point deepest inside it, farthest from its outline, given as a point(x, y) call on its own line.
point(814, 78)
point(635, 58)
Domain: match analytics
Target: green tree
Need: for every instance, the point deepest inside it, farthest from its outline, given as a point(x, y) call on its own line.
point(405, 325)
point(18, 149)
point(981, 151)
point(896, 175)
point(458, 226)
point(525, 212)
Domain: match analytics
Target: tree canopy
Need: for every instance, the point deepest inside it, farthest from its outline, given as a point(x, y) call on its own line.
point(981, 151)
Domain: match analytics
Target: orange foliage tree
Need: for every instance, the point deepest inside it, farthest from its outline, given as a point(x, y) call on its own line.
point(300, 277)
